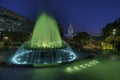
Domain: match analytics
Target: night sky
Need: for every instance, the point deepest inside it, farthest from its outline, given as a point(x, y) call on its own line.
point(85, 15)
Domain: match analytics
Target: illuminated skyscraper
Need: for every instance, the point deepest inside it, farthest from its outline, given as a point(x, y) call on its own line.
point(70, 30)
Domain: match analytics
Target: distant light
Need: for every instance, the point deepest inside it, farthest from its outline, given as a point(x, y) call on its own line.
point(114, 31)
point(2, 29)
point(5, 37)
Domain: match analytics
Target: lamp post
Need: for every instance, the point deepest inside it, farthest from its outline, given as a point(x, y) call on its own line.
point(114, 32)
point(5, 38)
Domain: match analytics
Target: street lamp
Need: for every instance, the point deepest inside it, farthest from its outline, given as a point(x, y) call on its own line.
point(114, 32)
point(5, 37)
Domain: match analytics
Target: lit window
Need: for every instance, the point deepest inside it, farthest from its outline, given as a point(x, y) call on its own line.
point(9, 30)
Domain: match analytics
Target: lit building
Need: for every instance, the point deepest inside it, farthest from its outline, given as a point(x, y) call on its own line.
point(13, 25)
point(70, 30)
point(11, 21)
point(96, 34)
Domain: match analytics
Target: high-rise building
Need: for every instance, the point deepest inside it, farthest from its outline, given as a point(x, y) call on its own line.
point(70, 30)
point(14, 26)
point(11, 21)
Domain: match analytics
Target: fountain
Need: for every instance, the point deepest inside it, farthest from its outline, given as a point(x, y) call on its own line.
point(45, 47)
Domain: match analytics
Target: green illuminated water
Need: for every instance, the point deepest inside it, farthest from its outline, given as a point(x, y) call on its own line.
point(46, 33)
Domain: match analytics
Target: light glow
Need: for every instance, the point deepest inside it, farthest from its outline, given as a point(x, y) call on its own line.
point(81, 66)
point(25, 56)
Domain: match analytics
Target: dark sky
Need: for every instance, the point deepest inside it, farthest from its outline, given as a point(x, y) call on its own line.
point(85, 15)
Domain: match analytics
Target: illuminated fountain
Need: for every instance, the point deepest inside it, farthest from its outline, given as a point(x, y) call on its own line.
point(45, 46)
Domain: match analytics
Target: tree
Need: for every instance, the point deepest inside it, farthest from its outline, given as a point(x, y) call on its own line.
point(117, 41)
point(108, 30)
point(109, 39)
point(81, 35)
point(112, 33)
point(81, 38)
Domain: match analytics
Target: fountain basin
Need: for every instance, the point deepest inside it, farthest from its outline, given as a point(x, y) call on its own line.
point(43, 56)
